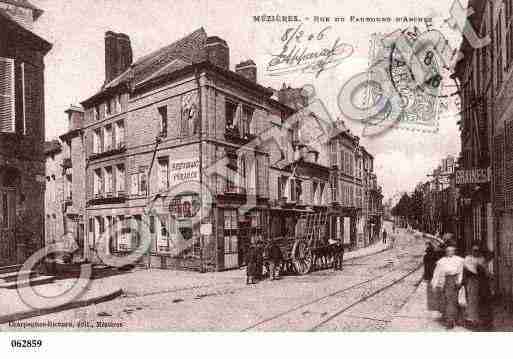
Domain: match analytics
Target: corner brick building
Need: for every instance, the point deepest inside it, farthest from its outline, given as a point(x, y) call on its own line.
point(22, 123)
point(179, 116)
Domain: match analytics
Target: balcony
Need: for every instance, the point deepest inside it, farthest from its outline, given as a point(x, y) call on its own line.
point(234, 135)
point(109, 151)
point(109, 197)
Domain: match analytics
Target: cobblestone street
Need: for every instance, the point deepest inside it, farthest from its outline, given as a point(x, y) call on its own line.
point(364, 296)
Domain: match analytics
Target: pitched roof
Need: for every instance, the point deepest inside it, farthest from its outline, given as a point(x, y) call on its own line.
point(186, 51)
point(26, 4)
point(51, 147)
point(33, 38)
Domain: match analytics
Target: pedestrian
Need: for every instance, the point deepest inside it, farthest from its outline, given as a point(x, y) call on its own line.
point(384, 236)
point(251, 260)
point(259, 261)
point(430, 259)
point(447, 278)
point(338, 255)
point(275, 258)
point(477, 289)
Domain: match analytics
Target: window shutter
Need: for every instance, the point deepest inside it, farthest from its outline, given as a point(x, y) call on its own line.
point(7, 99)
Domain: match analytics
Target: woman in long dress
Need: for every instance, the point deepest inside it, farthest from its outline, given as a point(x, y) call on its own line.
point(471, 283)
point(447, 278)
point(430, 259)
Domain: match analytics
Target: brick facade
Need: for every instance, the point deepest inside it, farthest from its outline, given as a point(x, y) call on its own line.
point(22, 165)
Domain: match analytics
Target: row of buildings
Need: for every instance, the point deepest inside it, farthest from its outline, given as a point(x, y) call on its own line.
point(476, 200)
point(220, 159)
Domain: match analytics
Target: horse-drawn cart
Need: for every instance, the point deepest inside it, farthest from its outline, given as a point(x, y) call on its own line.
point(310, 248)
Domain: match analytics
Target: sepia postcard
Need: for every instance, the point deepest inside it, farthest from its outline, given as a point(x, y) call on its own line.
point(255, 166)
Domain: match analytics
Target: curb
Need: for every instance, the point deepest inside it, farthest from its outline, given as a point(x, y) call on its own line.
point(369, 254)
point(72, 305)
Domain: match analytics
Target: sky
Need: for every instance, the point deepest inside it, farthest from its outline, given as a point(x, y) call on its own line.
point(75, 65)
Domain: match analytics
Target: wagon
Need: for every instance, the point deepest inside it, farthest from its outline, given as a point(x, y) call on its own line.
point(310, 248)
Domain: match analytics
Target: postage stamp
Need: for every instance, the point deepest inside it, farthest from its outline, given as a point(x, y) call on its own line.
point(259, 166)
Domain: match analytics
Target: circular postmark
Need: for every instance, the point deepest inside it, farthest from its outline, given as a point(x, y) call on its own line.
point(423, 61)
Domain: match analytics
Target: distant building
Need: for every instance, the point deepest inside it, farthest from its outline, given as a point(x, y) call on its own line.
point(65, 187)
point(22, 126)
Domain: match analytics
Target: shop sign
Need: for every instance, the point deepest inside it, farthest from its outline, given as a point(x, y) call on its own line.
point(185, 206)
point(184, 170)
point(473, 176)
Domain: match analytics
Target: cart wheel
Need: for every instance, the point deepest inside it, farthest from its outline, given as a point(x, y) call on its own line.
point(302, 257)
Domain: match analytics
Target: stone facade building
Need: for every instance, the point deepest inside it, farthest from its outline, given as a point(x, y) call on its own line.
point(22, 124)
point(65, 187)
point(203, 160)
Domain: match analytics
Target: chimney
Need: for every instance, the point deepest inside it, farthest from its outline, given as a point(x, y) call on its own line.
point(111, 56)
point(247, 69)
point(292, 97)
point(218, 52)
point(125, 51)
point(75, 117)
point(118, 55)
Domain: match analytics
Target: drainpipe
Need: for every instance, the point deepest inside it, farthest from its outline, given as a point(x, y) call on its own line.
point(200, 130)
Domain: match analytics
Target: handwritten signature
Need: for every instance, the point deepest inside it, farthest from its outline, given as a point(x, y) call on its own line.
point(298, 54)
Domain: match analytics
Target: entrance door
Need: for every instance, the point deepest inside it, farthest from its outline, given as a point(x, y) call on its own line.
point(7, 222)
point(231, 233)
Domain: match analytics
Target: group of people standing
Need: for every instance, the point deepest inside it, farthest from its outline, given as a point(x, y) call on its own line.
point(459, 287)
point(255, 262)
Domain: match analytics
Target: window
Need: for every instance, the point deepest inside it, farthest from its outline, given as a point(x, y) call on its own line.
point(134, 184)
point(241, 173)
point(120, 134)
point(247, 116)
point(98, 181)
point(108, 138)
point(282, 181)
point(109, 188)
point(231, 231)
point(143, 183)
point(118, 103)
point(333, 187)
point(108, 108)
point(163, 121)
point(96, 113)
point(163, 173)
point(120, 178)
point(298, 188)
point(333, 153)
point(5, 211)
point(315, 186)
point(7, 99)
point(68, 189)
point(98, 141)
point(230, 113)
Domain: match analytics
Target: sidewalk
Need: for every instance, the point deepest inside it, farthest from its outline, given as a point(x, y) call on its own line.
point(13, 308)
point(414, 316)
point(141, 282)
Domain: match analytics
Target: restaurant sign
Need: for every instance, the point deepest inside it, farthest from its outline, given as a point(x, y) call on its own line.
point(183, 171)
point(473, 176)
